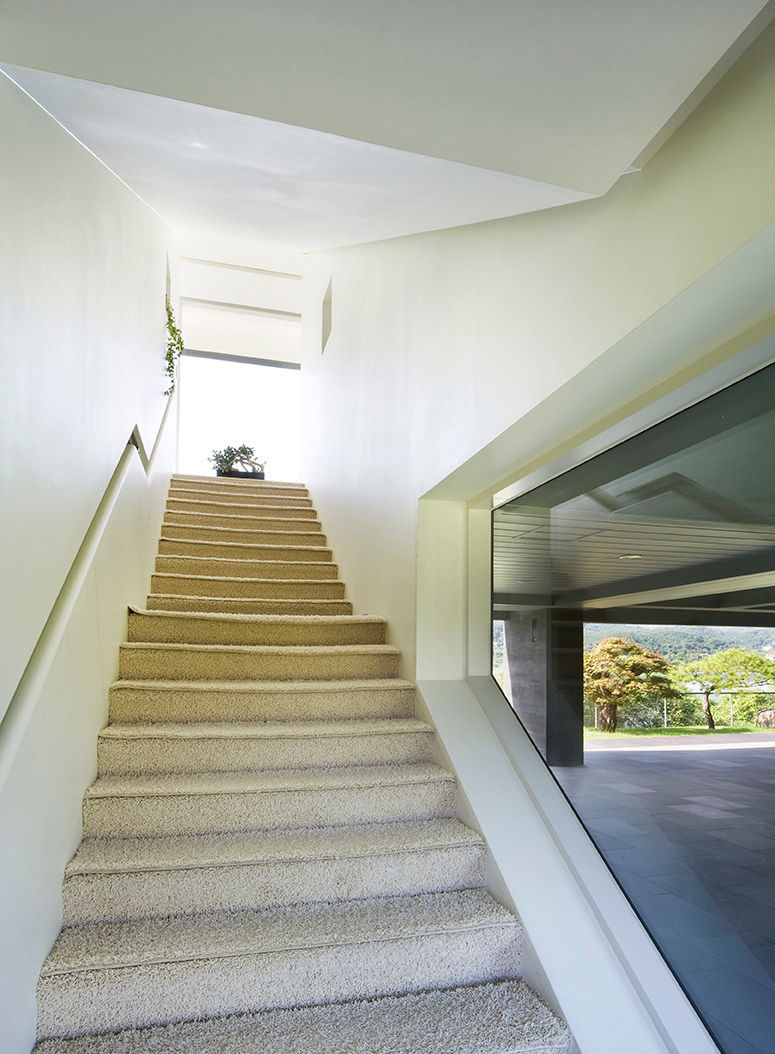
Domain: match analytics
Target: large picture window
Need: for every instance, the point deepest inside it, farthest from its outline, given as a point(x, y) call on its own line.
point(634, 637)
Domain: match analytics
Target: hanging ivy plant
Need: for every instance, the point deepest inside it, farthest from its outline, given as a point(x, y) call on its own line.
point(174, 346)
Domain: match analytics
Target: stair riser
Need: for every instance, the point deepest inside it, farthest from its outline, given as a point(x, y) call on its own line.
point(110, 999)
point(300, 520)
point(185, 704)
point(103, 898)
point(171, 630)
point(235, 497)
point(501, 1017)
point(229, 482)
point(190, 665)
point(227, 754)
point(236, 492)
point(277, 589)
point(193, 532)
point(266, 810)
point(224, 550)
point(193, 565)
point(247, 606)
point(277, 507)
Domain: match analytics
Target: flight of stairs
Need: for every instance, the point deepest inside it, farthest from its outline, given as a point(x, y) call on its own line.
point(271, 860)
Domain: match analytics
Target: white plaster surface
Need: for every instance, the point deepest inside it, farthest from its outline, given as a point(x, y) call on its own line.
point(441, 342)
point(232, 175)
point(557, 91)
point(82, 269)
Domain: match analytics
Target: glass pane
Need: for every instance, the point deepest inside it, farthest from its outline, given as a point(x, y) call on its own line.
point(633, 610)
point(231, 403)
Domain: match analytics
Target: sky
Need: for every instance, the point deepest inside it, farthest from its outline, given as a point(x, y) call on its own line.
point(230, 403)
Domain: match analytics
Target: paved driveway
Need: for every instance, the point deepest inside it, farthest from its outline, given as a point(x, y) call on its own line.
point(687, 824)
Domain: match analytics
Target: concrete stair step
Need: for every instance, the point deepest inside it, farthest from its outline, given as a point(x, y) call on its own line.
point(214, 628)
point(497, 1017)
point(221, 662)
point(201, 803)
point(221, 746)
point(120, 878)
point(108, 976)
point(178, 701)
point(246, 605)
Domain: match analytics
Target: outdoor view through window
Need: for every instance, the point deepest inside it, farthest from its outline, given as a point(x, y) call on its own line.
point(634, 637)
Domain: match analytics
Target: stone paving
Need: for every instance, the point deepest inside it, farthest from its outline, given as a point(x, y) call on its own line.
point(687, 825)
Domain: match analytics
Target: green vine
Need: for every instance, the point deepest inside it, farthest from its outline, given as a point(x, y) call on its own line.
point(174, 346)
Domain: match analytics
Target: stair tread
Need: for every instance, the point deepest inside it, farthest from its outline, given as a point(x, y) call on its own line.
point(236, 479)
point(388, 684)
point(230, 505)
point(265, 729)
point(499, 1017)
point(314, 527)
point(118, 855)
point(239, 560)
point(279, 546)
point(243, 578)
point(229, 616)
point(306, 520)
point(227, 934)
point(176, 784)
point(333, 602)
point(184, 487)
point(266, 649)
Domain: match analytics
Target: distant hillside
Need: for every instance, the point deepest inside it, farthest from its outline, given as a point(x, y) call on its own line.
point(683, 643)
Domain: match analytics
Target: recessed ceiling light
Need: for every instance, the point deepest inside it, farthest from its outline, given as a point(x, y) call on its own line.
point(631, 556)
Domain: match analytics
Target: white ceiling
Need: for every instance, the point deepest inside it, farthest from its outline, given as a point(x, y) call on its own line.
point(311, 125)
point(226, 175)
point(560, 91)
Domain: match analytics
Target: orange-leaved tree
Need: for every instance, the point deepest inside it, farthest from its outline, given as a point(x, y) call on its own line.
point(619, 672)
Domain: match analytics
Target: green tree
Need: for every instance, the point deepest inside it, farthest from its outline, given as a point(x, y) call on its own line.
point(733, 669)
point(619, 673)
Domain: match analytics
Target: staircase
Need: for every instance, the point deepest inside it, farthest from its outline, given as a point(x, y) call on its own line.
point(271, 861)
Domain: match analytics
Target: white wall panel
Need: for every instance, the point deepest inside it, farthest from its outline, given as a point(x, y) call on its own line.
point(82, 272)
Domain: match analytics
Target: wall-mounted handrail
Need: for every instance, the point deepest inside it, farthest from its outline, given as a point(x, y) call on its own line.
point(20, 710)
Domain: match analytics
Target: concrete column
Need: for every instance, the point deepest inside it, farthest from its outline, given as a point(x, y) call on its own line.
point(543, 652)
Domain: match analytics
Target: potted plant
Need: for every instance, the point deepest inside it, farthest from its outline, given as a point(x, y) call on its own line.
point(240, 456)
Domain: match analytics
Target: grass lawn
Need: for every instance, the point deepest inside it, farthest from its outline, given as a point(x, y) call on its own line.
point(686, 730)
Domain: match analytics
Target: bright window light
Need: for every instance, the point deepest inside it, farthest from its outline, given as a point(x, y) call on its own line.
point(230, 403)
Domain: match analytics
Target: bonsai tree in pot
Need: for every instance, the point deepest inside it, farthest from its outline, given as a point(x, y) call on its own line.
point(237, 462)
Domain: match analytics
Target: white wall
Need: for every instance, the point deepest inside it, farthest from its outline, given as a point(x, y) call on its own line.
point(82, 272)
point(254, 295)
point(440, 342)
point(460, 360)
